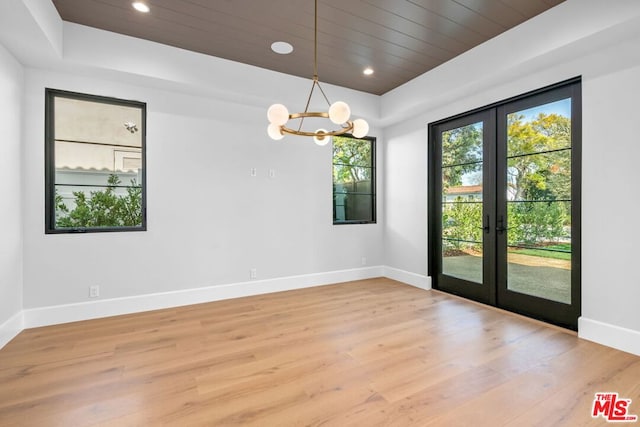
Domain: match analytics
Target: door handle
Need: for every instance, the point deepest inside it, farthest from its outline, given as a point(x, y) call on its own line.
point(486, 227)
point(500, 228)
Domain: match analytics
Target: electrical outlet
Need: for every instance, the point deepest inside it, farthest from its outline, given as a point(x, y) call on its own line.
point(94, 291)
point(364, 260)
point(253, 273)
point(254, 172)
point(272, 173)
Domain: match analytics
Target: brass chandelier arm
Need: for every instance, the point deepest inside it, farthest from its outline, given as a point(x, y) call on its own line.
point(323, 94)
point(348, 127)
point(316, 82)
point(306, 107)
point(308, 114)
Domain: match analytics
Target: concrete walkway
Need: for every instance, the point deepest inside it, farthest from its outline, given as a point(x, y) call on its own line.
point(537, 276)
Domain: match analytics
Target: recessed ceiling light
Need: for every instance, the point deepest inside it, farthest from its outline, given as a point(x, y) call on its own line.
point(140, 7)
point(367, 71)
point(283, 48)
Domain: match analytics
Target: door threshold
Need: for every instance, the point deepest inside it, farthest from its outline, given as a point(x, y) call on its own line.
point(510, 313)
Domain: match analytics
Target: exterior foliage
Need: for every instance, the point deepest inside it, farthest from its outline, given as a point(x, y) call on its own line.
point(538, 182)
point(351, 159)
point(461, 223)
point(102, 208)
point(461, 146)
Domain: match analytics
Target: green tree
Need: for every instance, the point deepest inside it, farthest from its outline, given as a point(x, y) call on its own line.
point(538, 182)
point(102, 208)
point(543, 176)
point(351, 159)
point(460, 146)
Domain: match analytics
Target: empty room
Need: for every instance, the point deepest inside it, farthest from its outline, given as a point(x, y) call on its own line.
point(319, 212)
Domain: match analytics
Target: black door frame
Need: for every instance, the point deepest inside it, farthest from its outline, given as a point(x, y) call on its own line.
point(479, 292)
point(498, 295)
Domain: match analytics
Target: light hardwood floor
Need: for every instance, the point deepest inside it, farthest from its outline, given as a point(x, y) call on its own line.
point(366, 353)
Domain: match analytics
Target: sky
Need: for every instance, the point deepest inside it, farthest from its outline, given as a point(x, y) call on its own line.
point(562, 107)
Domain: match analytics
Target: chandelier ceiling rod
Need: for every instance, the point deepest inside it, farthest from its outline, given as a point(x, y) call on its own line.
point(316, 81)
point(315, 41)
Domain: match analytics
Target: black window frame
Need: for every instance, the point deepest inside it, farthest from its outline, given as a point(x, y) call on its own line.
point(372, 141)
point(50, 169)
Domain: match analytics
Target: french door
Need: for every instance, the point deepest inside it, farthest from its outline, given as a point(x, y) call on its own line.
point(505, 204)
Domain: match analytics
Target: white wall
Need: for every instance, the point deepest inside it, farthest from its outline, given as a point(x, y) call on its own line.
point(209, 221)
point(600, 46)
point(405, 183)
point(611, 202)
point(11, 93)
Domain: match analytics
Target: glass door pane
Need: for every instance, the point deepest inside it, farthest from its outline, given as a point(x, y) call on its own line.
point(538, 196)
point(462, 202)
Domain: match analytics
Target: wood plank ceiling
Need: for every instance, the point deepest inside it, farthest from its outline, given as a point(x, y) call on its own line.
point(399, 39)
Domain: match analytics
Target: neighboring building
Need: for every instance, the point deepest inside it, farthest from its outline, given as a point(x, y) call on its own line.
point(468, 192)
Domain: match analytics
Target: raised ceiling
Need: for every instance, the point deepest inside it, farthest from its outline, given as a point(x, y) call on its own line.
point(399, 39)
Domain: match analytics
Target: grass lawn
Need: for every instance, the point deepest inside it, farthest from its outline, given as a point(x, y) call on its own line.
point(550, 251)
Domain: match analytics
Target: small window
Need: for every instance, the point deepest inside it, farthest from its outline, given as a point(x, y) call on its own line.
point(95, 163)
point(354, 180)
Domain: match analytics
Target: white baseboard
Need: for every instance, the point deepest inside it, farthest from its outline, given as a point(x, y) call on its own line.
point(116, 306)
point(11, 328)
point(413, 279)
point(610, 335)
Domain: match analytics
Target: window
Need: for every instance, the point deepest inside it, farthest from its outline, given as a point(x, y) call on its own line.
point(354, 180)
point(95, 163)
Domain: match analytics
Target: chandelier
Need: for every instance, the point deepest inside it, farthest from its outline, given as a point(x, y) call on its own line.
point(339, 112)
